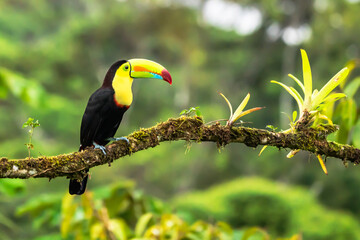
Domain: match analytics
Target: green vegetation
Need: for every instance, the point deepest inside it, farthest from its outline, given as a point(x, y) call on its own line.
point(234, 116)
point(314, 101)
point(54, 54)
point(276, 207)
point(30, 123)
point(191, 111)
point(122, 212)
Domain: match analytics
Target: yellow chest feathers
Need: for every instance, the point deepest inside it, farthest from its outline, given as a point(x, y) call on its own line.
point(122, 83)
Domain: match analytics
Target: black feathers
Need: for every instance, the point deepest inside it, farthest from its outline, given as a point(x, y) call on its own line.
point(111, 73)
point(77, 187)
point(101, 118)
point(100, 121)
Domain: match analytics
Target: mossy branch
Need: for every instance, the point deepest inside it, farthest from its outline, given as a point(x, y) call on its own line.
point(183, 128)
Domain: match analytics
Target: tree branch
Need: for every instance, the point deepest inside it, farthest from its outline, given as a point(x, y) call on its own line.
point(183, 128)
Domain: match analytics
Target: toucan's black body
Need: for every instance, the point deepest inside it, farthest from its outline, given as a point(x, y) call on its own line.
point(101, 118)
point(108, 104)
point(100, 121)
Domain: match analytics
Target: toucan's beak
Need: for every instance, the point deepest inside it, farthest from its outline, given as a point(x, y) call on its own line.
point(142, 68)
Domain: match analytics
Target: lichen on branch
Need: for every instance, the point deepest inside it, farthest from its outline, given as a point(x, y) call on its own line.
point(184, 128)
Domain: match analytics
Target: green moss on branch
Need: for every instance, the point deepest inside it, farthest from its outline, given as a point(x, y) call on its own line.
point(174, 129)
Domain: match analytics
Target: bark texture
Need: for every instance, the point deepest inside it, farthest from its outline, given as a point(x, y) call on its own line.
point(183, 128)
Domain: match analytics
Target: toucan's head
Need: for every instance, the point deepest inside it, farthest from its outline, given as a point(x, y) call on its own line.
point(136, 68)
point(121, 74)
point(142, 68)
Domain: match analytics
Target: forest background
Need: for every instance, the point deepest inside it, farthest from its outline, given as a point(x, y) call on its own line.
point(54, 54)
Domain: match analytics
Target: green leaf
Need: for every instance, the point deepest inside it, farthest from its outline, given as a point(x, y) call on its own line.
point(38, 204)
point(298, 82)
point(273, 128)
point(329, 101)
point(329, 86)
point(190, 110)
point(296, 237)
point(306, 75)
point(4, 89)
point(28, 122)
point(251, 232)
point(97, 231)
point(119, 228)
point(228, 103)
point(142, 224)
point(241, 107)
point(348, 113)
point(352, 87)
point(328, 109)
point(44, 210)
point(334, 97)
point(315, 92)
point(324, 117)
point(183, 112)
point(351, 65)
point(201, 230)
point(29, 91)
point(298, 95)
point(294, 115)
point(36, 124)
point(225, 231)
point(295, 95)
point(198, 113)
point(246, 113)
point(54, 236)
point(12, 187)
point(68, 209)
point(87, 200)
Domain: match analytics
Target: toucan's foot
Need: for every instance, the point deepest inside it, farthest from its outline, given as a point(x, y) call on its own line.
point(97, 146)
point(119, 138)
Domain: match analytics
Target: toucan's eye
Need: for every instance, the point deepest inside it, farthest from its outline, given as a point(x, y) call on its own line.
point(126, 67)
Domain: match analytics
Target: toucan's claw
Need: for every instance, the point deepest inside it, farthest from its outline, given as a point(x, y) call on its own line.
point(119, 138)
point(97, 146)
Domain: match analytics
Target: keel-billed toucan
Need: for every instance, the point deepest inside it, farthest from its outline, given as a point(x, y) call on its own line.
point(108, 104)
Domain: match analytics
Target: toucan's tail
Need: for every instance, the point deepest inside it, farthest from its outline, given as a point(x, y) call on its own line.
point(77, 187)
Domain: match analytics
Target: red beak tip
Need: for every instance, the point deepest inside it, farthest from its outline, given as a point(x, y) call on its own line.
point(166, 76)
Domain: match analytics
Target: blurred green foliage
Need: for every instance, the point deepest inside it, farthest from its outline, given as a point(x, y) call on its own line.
point(279, 208)
point(345, 113)
point(54, 54)
point(121, 212)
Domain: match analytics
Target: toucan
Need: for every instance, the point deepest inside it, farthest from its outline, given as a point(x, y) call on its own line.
point(107, 105)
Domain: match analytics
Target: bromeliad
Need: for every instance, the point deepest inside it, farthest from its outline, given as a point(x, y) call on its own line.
point(313, 102)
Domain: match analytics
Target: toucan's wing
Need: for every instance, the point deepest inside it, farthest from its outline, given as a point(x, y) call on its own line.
point(92, 118)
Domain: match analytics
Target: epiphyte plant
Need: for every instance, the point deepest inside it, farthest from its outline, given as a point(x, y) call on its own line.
point(190, 111)
point(234, 116)
point(32, 124)
point(313, 101)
